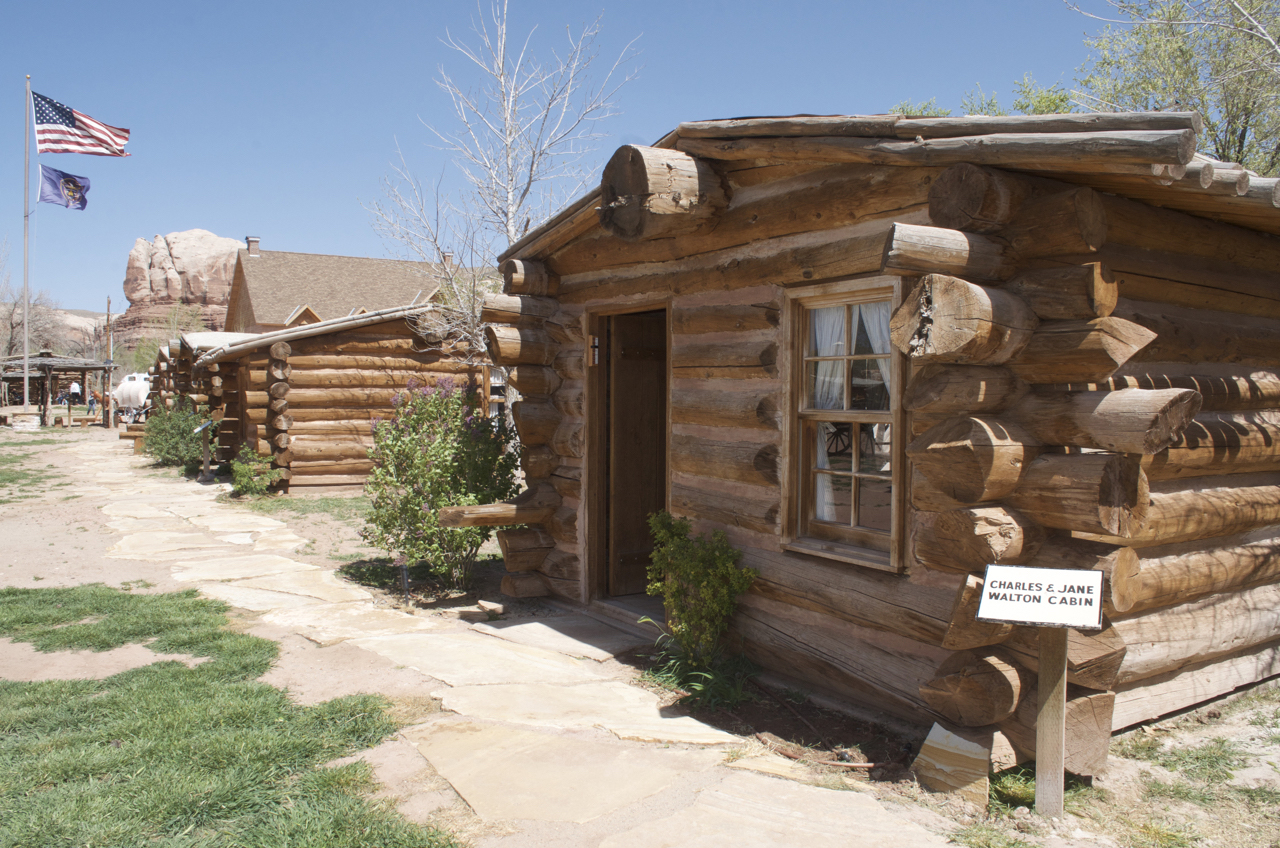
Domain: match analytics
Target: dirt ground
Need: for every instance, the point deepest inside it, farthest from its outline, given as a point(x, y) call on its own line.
point(1169, 785)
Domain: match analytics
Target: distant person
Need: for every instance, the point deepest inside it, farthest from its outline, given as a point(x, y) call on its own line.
point(93, 402)
point(76, 395)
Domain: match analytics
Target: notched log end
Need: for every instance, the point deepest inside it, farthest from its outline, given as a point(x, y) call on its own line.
point(1124, 497)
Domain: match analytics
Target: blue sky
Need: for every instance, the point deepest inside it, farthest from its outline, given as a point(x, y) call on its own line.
point(279, 119)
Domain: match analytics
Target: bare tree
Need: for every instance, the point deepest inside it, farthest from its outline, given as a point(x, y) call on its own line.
point(44, 329)
point(523, 132)
point(1220, 58)
point(1255, 21)
point(87, 342)
point(458, 259)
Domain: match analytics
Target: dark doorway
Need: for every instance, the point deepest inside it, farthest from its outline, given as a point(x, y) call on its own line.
point(635, 450)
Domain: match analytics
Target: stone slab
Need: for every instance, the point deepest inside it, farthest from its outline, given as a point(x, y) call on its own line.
point(161, 545)
point(231, 521)
point(749, 810)
point(134, 509)
point(572, 635)
point(468, 659)
point(514, 773)
point(194, 506)
point(627, 711)
point(279, 541)
point(237, 567)
point(237, 539)
point(406, 777)
point(258, 600)
point(321, 584)
point(948, 762)
point(328, 624)
point(166, 524)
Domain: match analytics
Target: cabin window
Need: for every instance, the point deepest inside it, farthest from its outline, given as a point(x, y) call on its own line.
point(845, 465)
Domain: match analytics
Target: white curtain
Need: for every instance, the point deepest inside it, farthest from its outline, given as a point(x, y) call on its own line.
point(827, 330)
point(875, 319)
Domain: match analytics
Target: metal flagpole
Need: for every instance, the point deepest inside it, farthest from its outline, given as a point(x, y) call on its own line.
point(26, 242)
point(109, 399)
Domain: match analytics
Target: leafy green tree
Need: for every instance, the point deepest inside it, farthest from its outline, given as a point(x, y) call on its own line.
point(437, 450)
point(926, 109)
point(1220, 58)
point(980, 103)
point(1036, 99)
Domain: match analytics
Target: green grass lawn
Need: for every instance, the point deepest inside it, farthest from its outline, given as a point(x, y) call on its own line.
point(167, 755)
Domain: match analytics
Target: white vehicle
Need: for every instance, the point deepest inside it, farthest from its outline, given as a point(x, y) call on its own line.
point(131, 395)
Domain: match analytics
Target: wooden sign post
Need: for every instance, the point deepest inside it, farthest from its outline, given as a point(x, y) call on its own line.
point(1052, 599)
point(203, 430)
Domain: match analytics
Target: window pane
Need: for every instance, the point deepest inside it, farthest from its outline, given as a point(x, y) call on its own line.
point(834, 447)
point(875, 504)
point(874, 444)
point(824, 384)
point(867, 384)
point(872, 323)
point(826, 332)
point(833, 498)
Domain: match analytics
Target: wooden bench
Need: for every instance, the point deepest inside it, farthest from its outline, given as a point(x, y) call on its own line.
point(138, 438)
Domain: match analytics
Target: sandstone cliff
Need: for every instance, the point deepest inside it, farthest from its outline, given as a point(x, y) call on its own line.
point(173, 277)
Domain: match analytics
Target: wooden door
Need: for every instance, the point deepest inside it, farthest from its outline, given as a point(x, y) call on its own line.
point(637, 443)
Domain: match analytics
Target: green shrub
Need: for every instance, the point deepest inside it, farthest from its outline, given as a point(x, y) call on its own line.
point(252, 474)
point(699, 581)
point(436, 450)
point(171, 438)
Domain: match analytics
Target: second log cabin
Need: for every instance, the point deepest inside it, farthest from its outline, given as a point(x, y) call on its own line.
point(308, 396)
point(884, 352)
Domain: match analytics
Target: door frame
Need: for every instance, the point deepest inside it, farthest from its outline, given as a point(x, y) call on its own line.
point(596, 453)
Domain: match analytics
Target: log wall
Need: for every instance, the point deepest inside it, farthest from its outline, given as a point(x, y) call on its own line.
point(310, 404)
point(1156, 417)
point(1093, 384)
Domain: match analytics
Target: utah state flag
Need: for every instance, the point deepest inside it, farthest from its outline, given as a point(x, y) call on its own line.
point(62, 188)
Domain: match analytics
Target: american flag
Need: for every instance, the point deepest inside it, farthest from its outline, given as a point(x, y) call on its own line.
point(61, 129)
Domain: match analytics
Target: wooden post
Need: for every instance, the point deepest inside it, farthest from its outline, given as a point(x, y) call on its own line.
point(1051, 721)
point(205, 476)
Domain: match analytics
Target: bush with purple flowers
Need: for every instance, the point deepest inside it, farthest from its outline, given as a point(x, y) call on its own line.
point(437, 450)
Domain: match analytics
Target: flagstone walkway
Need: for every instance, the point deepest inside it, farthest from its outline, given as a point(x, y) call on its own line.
point(539, 735)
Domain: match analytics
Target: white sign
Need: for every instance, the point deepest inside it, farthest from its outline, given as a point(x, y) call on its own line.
point(1044, 597)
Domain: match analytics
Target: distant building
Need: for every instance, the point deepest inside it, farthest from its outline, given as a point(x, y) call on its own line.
point(272, 290)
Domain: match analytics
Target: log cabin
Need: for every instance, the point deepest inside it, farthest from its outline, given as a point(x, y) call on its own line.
point(307, 396)
point(883, 352)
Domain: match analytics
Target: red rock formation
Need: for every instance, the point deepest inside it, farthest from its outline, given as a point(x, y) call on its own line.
point(188, 269)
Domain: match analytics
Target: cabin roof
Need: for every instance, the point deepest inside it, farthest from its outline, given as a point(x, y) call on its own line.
point(278, 283)
point(13, 364)
point(1103, 150)
point(239, 344)
point(209, 340)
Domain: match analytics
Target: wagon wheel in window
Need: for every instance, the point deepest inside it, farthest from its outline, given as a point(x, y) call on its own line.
point(839, 439)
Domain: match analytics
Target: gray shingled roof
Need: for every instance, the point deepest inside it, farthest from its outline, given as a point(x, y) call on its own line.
point(280, 282)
